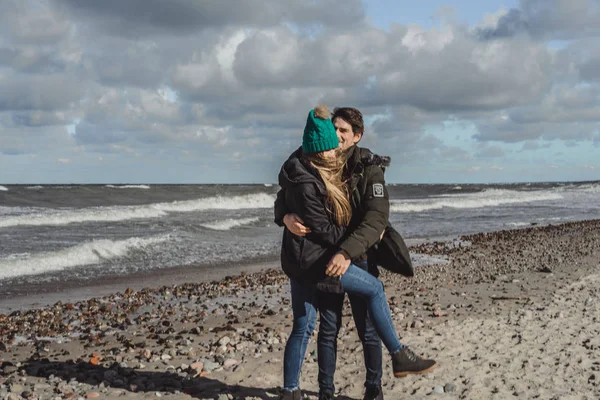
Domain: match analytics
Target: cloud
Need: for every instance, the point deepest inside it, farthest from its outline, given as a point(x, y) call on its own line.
point(38, 92)
point(490, 152)
point(146, 78)
point(178, 17)
point(548, 19)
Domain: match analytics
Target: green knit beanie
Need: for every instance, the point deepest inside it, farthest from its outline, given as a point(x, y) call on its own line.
point(319, 132)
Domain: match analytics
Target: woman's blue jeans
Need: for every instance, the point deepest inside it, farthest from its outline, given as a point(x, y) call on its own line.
point(304, 307)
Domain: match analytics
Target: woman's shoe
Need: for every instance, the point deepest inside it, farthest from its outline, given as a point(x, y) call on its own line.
point(405, 362)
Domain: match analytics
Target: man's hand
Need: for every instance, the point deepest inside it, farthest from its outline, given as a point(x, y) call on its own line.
point(295, 225)
point(338, 265)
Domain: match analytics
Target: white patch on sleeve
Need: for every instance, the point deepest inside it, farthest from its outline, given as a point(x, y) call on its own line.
point(377, 190)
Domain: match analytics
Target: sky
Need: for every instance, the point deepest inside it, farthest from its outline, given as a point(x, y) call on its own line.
point(214, 91)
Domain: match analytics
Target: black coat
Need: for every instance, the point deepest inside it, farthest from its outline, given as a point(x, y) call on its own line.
point(304, 258)
point(369, 199)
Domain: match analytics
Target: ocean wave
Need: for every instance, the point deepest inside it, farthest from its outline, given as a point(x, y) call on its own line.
point(127, 186)
point(90, 253)
point(519, 224)
point(487, 198)
point(123, 213)
point(3, 189)
point(243, 202)
point(590, 188)
point(229, 223)
point(35, 187)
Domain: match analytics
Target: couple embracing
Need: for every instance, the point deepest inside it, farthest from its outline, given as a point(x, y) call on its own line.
point(335, 207)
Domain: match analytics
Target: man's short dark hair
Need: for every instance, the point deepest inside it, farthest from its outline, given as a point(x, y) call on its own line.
point(351, 116)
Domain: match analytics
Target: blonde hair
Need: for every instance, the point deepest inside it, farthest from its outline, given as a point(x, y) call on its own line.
point(331, 171)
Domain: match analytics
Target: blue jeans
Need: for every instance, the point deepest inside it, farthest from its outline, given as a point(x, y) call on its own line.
point(360, 283)
point(355, 281)
point(304, 309)
point(330, 312)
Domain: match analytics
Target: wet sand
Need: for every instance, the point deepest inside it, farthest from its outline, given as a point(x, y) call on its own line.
point(514, 314)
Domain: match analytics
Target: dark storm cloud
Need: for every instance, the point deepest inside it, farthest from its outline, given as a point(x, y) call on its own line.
point(185, 16)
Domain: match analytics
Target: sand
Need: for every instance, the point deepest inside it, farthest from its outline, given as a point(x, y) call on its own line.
point(515, 314)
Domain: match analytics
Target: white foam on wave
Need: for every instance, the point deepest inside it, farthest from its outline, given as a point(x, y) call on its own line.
point(519, 224)
point(590, 188)
point(3, 189)
point(44, 217)
point(243, 202)
point(35, 187)
point(487, 198)
point(128, 186)
point(268, 184)
point(91, 253)
point(229, 223)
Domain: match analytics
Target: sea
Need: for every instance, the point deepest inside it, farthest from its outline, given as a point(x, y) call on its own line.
point(77, 235)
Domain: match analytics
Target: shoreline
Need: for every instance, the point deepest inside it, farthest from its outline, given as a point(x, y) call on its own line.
point(44, 294)
point(106, 286)
point(515, 314)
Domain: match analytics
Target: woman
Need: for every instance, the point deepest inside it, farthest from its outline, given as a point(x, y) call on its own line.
point(312, 177)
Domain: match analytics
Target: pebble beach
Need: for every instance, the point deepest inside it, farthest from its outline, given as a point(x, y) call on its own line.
point(511, 314)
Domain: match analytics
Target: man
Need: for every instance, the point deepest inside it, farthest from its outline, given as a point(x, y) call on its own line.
point(370, 215)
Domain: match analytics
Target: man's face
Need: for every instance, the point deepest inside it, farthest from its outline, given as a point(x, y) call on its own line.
point(345, 135)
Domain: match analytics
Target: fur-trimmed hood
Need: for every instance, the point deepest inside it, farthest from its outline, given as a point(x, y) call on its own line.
point(360, 157)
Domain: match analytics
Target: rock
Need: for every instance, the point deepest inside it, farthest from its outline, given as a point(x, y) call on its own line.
point(9, 369)
point(210, 366)
point(16, 388)
point(438, 390)
point(417, 324)
point(230, 363)
point(197, 366)
point(449, 388)
point(92, 395)
point(224, 341)
point(223, 397)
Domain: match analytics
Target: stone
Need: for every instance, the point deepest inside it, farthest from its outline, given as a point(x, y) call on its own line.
point(417, 324)
point(210, 366)
point(9, 369)
point(197, 366)
point(92, 395)
point(438, 390)
point(16, 388)
point(224, 341)
point(449, 388)
point(230, 363)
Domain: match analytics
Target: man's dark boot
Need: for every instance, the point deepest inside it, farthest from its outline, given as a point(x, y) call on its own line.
point(287, 395)
point(405, 362)
point(373, 393)
point(325, 396)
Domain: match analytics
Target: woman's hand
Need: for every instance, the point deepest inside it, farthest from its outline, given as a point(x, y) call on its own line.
point(338, 265)
point(295, 225)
